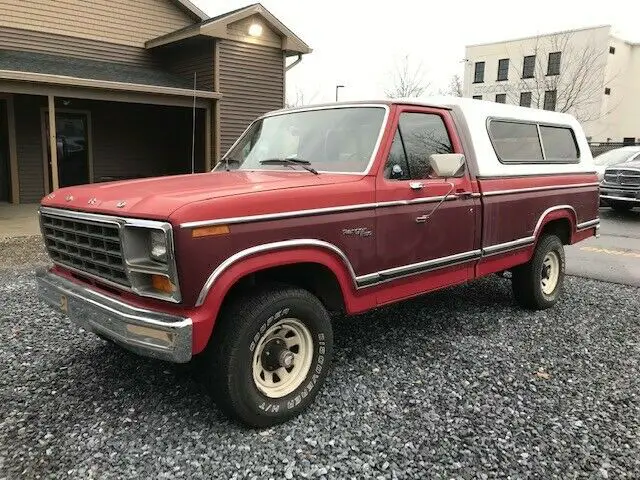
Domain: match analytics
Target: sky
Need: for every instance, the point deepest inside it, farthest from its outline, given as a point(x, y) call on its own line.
point(359, 44)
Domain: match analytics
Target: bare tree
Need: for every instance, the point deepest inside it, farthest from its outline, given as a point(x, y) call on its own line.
point(300, 99)
point(407, 80)
point(455, 87)
point(578, 84)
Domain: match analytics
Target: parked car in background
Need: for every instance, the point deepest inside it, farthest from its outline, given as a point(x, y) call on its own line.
point(343, 207)
point(615, 157)
point(620, 188)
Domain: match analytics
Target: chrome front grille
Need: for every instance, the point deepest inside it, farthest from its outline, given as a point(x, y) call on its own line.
point(624, 177)
point(86, 245)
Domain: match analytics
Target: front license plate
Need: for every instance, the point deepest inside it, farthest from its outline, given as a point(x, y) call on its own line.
point(64, 304)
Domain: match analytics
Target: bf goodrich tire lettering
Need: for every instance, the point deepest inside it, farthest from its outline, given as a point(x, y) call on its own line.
point(231, 356)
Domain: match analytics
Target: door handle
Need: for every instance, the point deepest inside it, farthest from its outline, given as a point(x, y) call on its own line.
point(421, 219)
point(416, 185)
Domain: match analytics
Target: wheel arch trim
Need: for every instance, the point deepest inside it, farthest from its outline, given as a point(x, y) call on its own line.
point(267, 248)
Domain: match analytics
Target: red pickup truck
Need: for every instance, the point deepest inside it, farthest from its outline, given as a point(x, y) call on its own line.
point(333, 208)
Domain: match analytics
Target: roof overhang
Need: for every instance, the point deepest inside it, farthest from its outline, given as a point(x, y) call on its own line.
point(107, 88)
point(189, 7)
point(217, 27)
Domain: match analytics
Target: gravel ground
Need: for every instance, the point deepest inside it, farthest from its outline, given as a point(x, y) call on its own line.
point(458, 384)
point(22, 252)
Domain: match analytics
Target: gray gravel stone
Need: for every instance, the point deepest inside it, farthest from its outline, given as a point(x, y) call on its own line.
point(25, 252)
point(458, 384)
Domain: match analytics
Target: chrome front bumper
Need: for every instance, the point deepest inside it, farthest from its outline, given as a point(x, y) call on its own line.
point(620, 199)
point(145, 332)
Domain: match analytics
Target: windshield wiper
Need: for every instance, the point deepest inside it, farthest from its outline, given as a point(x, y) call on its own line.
point(290, 161)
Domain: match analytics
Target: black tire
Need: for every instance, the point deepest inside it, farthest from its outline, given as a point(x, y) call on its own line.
point(527, 278)
point(621, 206)
point(228, 360)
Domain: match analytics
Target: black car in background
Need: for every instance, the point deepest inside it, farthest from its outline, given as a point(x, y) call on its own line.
point(620, 187)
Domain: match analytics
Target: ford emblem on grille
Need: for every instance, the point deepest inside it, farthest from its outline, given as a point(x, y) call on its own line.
point(121, 204)
point(68, 198)
point(92, 201)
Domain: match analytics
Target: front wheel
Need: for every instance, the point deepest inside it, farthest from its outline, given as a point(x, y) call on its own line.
point(269, 355)
point(537, 284)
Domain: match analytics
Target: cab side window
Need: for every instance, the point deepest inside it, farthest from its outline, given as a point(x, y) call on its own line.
point(419, 135)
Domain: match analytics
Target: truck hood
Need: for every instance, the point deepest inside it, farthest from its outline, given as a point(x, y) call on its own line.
point(158, 197)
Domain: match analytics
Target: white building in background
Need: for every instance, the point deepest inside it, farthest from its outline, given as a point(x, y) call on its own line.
point(587, 72)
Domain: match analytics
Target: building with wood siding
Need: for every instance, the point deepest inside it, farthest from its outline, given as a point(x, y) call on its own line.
point(137, 88)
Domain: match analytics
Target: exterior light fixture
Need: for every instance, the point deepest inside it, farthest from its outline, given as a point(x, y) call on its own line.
point(255, 30)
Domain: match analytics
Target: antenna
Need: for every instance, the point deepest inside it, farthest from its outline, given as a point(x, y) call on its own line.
point(193, 127)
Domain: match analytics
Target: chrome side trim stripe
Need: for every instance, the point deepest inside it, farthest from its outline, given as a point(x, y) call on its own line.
point(278, 216)
point(539, 189)
point(505, 247)
point(415, 268)
point(314, 211)
point(591, 223)
point(366, 206)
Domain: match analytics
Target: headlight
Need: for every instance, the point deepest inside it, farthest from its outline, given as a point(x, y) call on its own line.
point(158, 247)
point(149, 260)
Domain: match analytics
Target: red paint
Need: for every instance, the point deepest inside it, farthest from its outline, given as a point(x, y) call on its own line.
point(504, 261)
point(451, 226)
point(463, 225)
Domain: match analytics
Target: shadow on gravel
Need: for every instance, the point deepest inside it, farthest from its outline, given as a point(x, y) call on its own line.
point(115, 376)
point(440, 318)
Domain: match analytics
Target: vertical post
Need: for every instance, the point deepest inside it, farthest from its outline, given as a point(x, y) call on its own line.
point(215, 131)
point(207, 139)
point(53, 144)
point(13, 151)
point(193, 126)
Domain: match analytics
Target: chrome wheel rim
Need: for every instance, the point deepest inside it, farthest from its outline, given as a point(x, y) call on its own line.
point(550, 273)
point(282, 358)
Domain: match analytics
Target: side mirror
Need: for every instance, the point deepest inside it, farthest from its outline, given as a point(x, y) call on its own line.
point(446, 164)
point(396, 172)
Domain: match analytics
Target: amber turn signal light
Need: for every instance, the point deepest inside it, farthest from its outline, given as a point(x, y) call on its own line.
point(162, 284)
point(210, 231)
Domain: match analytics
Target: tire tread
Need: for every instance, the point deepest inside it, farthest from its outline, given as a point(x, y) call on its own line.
point(223, 349)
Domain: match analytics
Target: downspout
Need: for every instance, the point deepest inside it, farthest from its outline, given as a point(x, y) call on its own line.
point(289, 67)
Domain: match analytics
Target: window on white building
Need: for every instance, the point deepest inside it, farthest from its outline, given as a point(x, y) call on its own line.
point(553, 66)
point(525, 99)
point(550, 99)
point(607, 91)
point(501, 98)
point(478, 76)
point(503, 69)
point(477, 97)
point(528, 66)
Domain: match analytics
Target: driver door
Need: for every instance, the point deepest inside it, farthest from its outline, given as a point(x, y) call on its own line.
point(426, 226)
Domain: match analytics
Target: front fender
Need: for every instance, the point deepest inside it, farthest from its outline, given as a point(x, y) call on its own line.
point(263, 257)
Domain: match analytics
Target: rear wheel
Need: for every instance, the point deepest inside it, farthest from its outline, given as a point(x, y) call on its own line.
point(621, 206)
point(269, 355)
point(537, 284)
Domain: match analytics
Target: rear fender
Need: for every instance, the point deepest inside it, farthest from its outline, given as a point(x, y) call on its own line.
point(558, 212)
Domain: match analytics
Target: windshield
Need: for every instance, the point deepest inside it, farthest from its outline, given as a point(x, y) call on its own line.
point(615, 156)
point(328, 140)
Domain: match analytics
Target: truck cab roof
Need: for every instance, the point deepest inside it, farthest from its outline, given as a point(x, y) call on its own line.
point(506, 140)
